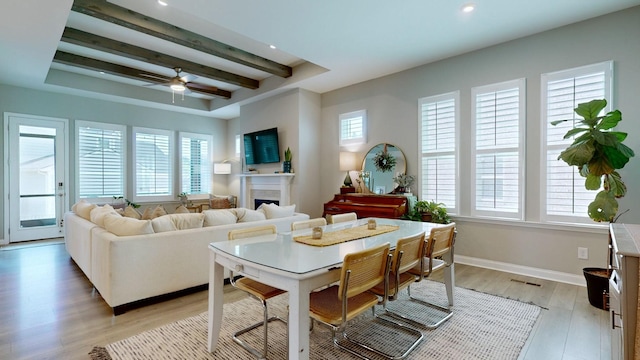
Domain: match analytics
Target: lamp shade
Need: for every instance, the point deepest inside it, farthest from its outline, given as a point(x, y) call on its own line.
point(222, 168)
point(347, 161)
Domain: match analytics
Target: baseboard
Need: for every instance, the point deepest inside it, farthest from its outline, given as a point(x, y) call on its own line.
point(558, 276)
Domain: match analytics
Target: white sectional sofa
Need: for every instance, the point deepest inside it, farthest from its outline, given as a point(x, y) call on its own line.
point(130, 261)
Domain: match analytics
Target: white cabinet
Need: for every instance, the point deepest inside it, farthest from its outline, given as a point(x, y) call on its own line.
point(623, 289)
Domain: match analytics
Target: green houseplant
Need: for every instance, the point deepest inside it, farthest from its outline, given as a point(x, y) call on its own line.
point(286, 166)
point(430, 211)
point(598, 153)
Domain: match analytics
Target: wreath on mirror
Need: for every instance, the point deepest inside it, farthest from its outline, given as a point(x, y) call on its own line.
point(384, 161)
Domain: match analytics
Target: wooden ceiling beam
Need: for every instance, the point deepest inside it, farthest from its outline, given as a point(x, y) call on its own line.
point(100, 43)
point(131, 73)
point(130, 19)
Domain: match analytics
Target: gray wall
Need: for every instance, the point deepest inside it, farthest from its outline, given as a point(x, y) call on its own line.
point(41, 103)
point(392, 106)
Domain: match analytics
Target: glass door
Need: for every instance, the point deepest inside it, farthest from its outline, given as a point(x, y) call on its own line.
point(37, 197)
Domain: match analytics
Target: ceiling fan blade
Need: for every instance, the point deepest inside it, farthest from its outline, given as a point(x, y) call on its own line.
point(188, 78)
point(201, 87)
point(157, 78)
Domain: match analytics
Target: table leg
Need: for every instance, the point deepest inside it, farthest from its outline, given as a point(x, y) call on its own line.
point(299, 323)
point(216, 283)
point(450, 276)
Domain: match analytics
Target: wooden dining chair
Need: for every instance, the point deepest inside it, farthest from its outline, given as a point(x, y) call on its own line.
point(307, 224)
point(440, 242)
point(338, 218)
point(338, 304)
point(257, 290)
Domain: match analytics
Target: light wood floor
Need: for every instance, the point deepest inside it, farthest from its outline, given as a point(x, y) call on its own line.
point(49, 310)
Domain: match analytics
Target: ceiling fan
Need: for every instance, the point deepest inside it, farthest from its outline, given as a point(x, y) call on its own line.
point(180, 84)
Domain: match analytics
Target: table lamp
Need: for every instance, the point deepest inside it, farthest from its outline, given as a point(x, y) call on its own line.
point(347, 163)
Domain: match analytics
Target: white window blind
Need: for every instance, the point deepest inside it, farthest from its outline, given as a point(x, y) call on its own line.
point(439, 149)
point(565, 198)
point(498, 114)
point(195, 163)
point(100, 156)
point(353, 128)
point(154, 171)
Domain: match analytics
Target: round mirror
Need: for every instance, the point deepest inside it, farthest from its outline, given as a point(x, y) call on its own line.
point(381, 164)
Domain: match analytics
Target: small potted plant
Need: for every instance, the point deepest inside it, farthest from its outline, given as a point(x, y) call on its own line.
point(184, 198)
point(286, 166)
point(404, 182)
point(430, 211)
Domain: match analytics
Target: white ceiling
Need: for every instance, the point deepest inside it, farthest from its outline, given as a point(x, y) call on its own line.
point(330, 44)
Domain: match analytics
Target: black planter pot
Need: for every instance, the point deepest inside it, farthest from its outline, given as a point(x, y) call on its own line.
point(597, 286)
point(286, 166)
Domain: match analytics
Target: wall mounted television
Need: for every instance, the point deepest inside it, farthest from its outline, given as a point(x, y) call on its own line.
point(261, 147)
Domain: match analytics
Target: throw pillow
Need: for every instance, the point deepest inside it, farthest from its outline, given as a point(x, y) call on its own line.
point(99, 212)
point(181, 210)
point(219, 203)
point(83, 209)
point(248, 215)
point(158, 211)
point(219, 217)
point(146, 214)
point(125, 226)
point(131, 212)
point(273, 211)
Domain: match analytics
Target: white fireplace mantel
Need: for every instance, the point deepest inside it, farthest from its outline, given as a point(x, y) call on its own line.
point(280, 182)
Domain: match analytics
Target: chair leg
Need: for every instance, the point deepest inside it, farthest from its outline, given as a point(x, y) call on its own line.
point(404, 317)
point(264, 324)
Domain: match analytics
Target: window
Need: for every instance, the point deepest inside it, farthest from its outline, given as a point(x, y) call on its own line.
point(153, 151)
point(195, 163)
point(439, 149)
point(498, 125)
point(100, 156)
point(563, 194)
point(353, 128)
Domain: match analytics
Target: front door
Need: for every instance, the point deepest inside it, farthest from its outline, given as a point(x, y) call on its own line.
point(36, 197)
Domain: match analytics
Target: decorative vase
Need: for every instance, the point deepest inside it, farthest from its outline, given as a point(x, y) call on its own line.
point(286, 166)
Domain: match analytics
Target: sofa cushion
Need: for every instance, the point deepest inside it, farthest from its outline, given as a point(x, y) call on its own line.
point(125, 226)
point(273, 211)
point(83, 209)
point(99, 212)
point(248, 215)
point(219, 217)
point(173, 222)
point(131, 212)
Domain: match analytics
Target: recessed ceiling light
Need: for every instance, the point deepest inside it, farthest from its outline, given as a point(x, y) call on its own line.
point(272, 46)
point(163, 3)
point(468, 7)
point(101, 72)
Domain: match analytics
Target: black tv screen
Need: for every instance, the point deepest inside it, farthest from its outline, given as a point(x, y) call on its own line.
point(261, 147)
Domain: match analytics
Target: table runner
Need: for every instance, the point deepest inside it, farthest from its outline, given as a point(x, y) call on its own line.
point(340, 236)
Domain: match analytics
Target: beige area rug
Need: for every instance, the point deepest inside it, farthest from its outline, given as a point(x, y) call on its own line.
point(482, 327)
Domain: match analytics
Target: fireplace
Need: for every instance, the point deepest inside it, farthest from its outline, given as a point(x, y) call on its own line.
point(258, 202)
point(272, 188)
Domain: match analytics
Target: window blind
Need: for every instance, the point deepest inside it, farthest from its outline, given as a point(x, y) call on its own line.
point(566, 197)
point(195, 172)
point(100, 158)
point(153, 163)
point(438, 141)
point(498, 133)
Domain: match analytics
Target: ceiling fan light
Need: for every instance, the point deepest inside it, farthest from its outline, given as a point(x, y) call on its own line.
point(177, 87)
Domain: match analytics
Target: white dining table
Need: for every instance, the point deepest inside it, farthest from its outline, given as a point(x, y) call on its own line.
point(280, 261)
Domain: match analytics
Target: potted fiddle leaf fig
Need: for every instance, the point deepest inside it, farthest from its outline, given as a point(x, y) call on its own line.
point(598, 152)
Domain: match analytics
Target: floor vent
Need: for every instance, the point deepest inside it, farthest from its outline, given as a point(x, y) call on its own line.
point(526, 282)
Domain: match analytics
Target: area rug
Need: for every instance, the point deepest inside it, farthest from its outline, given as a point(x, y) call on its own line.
point(483, 327)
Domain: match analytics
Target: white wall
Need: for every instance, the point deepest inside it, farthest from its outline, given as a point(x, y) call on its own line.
point(34, 102)
point(392, 107)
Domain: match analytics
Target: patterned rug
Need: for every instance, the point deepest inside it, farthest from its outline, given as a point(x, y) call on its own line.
point(482, 327)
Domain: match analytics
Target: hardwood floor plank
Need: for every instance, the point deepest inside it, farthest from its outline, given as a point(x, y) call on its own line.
point(51, 311)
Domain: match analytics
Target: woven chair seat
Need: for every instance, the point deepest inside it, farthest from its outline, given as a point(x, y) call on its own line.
point(328, 310)
point(258, 289)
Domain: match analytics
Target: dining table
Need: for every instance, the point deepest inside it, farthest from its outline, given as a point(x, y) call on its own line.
point(299, 268)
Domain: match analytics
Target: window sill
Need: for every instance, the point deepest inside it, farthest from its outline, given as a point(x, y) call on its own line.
point(602, 228)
